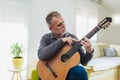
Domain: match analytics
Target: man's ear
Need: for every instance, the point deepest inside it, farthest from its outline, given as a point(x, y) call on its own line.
point(50, 28)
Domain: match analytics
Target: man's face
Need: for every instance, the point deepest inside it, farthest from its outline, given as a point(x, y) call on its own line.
point(57, 25)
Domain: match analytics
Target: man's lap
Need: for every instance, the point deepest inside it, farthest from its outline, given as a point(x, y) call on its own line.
point(77, 73)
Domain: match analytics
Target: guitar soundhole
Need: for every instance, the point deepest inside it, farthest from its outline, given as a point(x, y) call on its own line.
point(64, 58)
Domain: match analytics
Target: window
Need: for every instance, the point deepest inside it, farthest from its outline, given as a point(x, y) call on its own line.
point(86, 20)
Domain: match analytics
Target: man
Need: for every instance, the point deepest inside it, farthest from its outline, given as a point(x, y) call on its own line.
point(52, 42)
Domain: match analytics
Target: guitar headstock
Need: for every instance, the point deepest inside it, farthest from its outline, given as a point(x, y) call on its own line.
point(105, 23)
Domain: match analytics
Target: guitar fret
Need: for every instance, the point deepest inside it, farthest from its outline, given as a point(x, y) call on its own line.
point(91, 33)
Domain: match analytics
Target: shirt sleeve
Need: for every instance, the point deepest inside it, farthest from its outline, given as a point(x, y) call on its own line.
point(47, 50)
point(85, 57)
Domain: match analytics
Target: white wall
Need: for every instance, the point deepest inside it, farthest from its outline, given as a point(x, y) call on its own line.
point(111, 34)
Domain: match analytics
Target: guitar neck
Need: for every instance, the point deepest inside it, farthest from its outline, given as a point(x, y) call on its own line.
point(92, 32)
point(75, 47)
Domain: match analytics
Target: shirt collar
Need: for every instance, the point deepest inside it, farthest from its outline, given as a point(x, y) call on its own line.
point(52, 37)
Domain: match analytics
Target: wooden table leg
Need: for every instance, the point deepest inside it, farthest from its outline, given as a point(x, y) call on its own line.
point(20, 76)
point(17, 75)
point(13, 75)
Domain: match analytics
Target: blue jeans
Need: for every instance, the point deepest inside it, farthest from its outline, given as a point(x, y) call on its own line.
point(77, 73)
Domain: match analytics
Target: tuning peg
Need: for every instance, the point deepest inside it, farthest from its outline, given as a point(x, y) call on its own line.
point(104, 28)
point(107, 26)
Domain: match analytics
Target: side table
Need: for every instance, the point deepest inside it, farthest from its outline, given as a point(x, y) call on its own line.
point(16, 72)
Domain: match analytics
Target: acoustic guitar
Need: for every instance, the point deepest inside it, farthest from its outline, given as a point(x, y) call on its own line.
point(68, 57)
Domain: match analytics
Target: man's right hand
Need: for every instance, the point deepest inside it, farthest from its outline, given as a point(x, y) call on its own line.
point(69, 40)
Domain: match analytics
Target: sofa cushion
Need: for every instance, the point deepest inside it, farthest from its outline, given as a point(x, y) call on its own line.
point(96, 51)
point(101, 47)
point(110, 52)
point(103, 63)
point(117, 48)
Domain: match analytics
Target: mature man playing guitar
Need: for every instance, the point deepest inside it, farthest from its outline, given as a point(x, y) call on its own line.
point(51, 43)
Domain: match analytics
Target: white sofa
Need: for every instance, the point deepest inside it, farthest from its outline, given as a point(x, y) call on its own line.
point(102, 66)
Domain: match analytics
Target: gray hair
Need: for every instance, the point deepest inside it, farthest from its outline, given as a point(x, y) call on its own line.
point(51, 15)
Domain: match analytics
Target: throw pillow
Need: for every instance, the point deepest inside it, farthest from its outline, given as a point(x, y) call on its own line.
point(110, 52)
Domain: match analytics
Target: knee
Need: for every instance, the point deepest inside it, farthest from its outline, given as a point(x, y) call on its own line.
point(77, 72)
point(79, 68)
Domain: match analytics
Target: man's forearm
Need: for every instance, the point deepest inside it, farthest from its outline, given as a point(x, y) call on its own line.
point(46, 53)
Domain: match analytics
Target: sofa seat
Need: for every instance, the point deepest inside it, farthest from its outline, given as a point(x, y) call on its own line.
point(104, 63)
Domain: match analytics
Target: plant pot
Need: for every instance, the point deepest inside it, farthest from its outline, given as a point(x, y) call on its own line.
point(18, 62)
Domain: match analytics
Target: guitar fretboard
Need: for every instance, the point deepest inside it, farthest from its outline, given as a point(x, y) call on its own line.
point(77, 45)
point(91, 33)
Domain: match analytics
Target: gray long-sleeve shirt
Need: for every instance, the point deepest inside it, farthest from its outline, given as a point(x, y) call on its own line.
point(50, 46)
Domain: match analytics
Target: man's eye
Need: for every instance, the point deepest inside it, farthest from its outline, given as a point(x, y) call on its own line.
point(60, 24)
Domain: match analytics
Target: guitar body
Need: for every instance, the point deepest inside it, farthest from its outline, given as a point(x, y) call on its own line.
point(57, 69)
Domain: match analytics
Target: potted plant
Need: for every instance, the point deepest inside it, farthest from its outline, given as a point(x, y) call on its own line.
point(16, 51)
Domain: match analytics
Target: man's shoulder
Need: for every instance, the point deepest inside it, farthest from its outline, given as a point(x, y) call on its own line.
point(46, 35)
